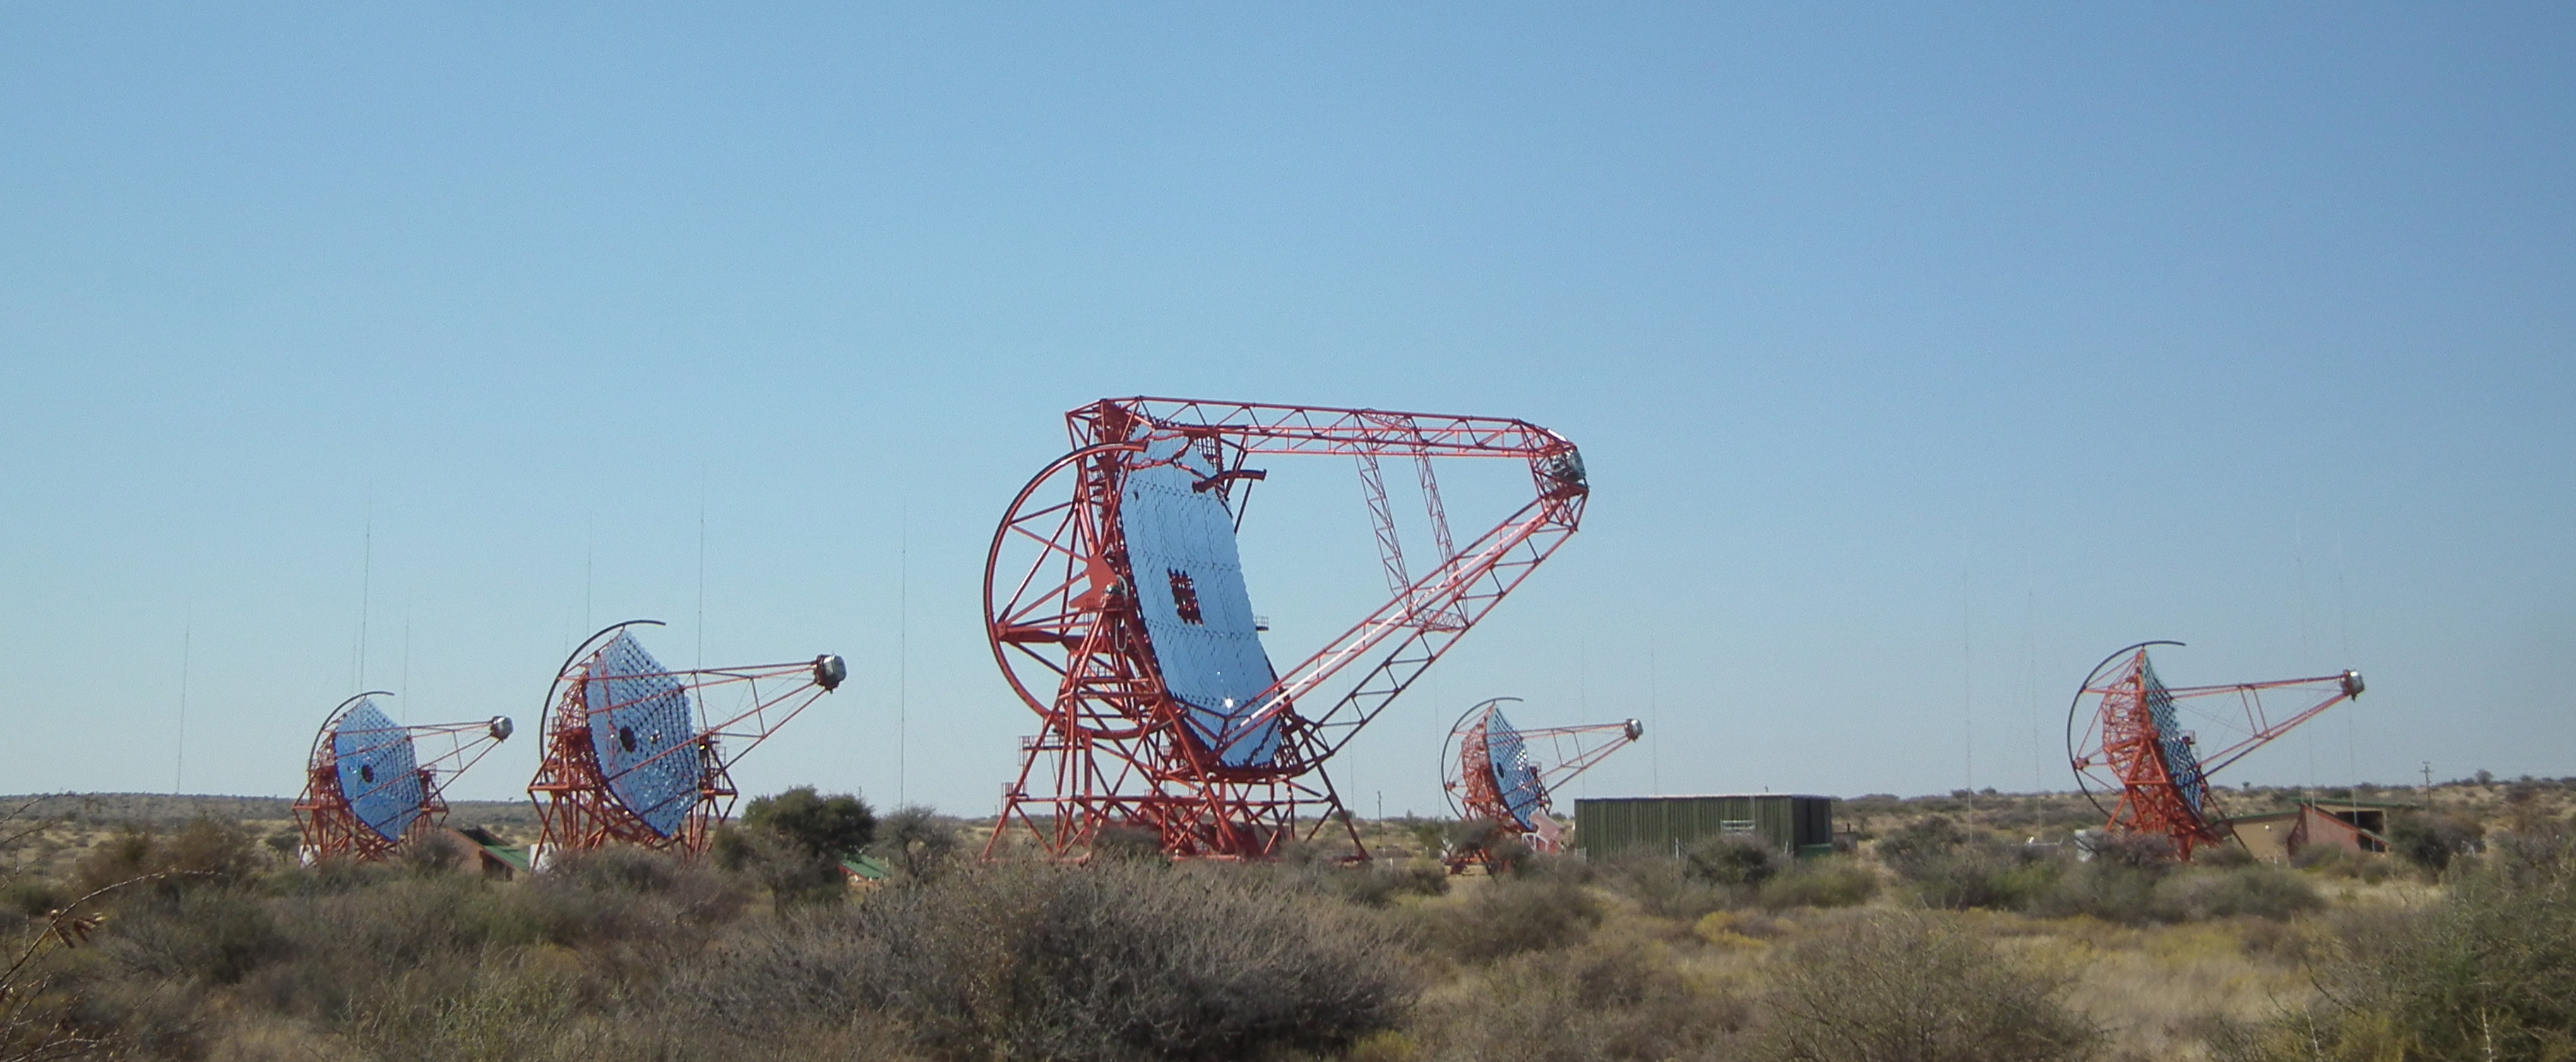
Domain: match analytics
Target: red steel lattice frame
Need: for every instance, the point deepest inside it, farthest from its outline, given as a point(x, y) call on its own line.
point(576, 809)
point(2123, 748)
point(1474, 795)
point(1113, 750)
point(330, 827)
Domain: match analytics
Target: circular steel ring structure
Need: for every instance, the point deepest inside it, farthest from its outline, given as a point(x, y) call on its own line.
point(1457, 737)
point(1038, 623)
point(2085, 782)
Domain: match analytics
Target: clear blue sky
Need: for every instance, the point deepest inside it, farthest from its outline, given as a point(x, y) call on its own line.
point(1921, 355)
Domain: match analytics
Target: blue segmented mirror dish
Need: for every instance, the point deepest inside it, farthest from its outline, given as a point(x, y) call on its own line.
point(641, 725)
point(1198, 616)
point(2182, 763)
point(1515, 773)
point(379, 773)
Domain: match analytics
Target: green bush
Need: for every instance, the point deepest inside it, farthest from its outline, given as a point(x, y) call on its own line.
point(1502, 851)
point(794, 843)
point(2489, 972)
point(1612, 999)
point(1375, 884)
point(1985, 876)
point(1740, 862)
point(1906, 986)
point(1111, 961)
point(1510, 916)
point(2251, 891)
point(2224, 856)
point(1662, 887)
point(214, 936)
point(2109, 889)
point(1953, 868)
point(1831, 881)
point(501, 1012)
point(1128, 844)
point(826, 827)
point(916, 842)
point(2142, 892)
point(205, 852)
point(33, 897)
point(2432, 841)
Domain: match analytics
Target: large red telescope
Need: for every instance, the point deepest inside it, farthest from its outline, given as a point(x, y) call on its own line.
point(1115, 602)
point(1505, 775)
point(636, 753)
point(2137, 750)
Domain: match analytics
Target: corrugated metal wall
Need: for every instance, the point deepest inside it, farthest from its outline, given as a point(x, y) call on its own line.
point(1802, 825)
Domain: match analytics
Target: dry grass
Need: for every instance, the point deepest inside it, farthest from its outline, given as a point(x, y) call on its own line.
point(2160, 989)
point(1563, 961)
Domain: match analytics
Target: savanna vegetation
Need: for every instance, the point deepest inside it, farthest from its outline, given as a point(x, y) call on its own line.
point(1944, 935)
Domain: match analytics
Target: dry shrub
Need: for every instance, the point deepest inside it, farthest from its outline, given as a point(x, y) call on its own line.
point(1374, 884)
point(1615, 997)
point(2248, 891)
point(215, 936)
point(1829, 881)
point(2146, 892)
point(1955, 868)
point(1109, 961)
point(917, 842)
point(625, 895)
point(381, 944)
point(1502, 851)
point(205, 852)
point(349, 945)
point(2109, 889)
point(1908, 986)
point(32, 898)
point(2432, 841)
point(1738, 930)
point(2490, 972)
point(1509, 916)
point(502, 1011)
point(1742, 862)
point(1661, 886)
point(2326, 859)
point(2225, 856)
point(638, 957)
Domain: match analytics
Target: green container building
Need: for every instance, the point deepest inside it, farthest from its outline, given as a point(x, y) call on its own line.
point(1786, 823)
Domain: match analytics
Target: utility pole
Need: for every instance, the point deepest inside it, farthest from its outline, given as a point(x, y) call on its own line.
point(2428, 785)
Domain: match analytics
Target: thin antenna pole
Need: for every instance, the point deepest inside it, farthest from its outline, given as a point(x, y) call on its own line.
point(1655, 712)
point(588, 552)
point(903, 654)
point(366, 589)
point(2030, 678)
point(2343, 625)
point(405, 687)
point(1967, 685)
point(702, 569)
point(2299, 576)
point(187, 641)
